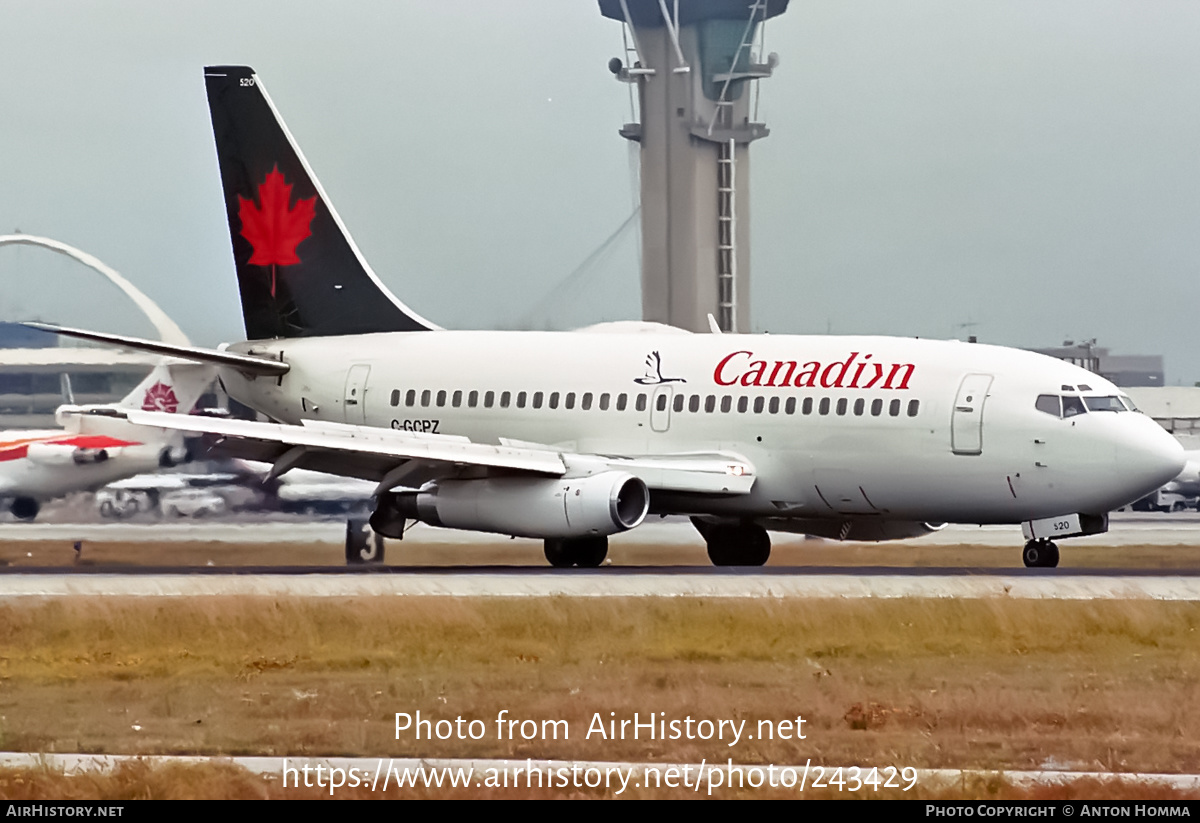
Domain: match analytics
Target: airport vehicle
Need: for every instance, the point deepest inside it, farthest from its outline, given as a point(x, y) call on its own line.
point(573, 436)
point(37, 466)
point(1182, 492)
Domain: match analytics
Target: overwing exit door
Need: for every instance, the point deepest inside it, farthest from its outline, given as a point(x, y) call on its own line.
point(356, 394)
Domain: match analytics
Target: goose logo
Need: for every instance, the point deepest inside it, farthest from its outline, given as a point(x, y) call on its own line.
point(653, 375)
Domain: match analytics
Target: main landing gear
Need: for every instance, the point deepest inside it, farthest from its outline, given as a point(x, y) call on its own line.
point(1040, 554)
point(735, 544)
point(584, 552)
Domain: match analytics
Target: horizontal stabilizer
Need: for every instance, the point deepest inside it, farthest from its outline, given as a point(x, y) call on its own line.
point(242, 362)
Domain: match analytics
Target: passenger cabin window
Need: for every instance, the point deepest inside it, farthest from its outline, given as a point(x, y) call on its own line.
point(914, 406)
point(641, 402)
point(456, 399)
point(876, 407)
point(521, 399)
point(604, 399)
point(622, 401)
point(554, 400)
point(441, 398)
point(473, 399)
point(860, 406)
point(488, 399)
point(426, 396)
point(585, 402)
point(841, 406)
point(537, 399)
point(694, 403)
point(570, 400)
point(823, 407)
point(395, 397)
point(789, 407)
point(661, 402)
point(505, 399)
point(806, 406)
point(679, 402)
point(410, 399)
point(743, 404)
point(726, 403)
point(758, 405)
point(894, 408)
point(710, 403)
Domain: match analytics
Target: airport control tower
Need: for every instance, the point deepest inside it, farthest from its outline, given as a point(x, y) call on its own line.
point(695, 64)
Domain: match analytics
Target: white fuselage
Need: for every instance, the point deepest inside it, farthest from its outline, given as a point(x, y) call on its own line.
point(835, 426)
point(45, 464)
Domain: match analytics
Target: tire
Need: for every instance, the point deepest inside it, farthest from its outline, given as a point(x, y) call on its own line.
point(557, 553)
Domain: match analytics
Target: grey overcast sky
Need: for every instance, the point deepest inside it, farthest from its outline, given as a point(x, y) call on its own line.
point(1031, 167)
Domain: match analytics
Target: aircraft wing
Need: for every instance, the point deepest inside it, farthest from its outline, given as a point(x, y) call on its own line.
point(395, 458)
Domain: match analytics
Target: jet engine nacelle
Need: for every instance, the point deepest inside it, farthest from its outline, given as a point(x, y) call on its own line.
point(57, 454)
point(862, 528)
point(601, 504)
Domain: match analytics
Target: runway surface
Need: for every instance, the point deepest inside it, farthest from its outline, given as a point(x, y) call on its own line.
point(1127, 528)
point(628, 582)
point(798, 581)
point(373, 767)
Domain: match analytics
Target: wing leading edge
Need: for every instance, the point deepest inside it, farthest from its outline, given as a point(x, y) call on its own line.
point(400, 458)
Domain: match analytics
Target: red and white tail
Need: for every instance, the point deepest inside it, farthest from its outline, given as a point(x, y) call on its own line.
point(173, 388)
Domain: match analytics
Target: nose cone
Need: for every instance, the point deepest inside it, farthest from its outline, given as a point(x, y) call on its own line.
point(1147, 457)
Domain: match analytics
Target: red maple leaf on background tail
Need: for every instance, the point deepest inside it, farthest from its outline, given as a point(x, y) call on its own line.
point(273, 228)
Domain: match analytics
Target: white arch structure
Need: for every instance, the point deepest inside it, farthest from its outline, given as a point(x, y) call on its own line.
point(168, 331)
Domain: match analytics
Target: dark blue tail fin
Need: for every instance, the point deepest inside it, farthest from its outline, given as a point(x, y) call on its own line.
point(299, 272)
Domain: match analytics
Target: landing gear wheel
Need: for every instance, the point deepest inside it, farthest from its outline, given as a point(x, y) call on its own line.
point(584, 552)
point(557, 553)
point(590, 552)
point(1040, 554)
point(744, 544)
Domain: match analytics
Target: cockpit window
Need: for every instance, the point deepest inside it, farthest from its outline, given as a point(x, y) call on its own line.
point(1049, 404)
point(1072, 406)
point(1111, 403)
point(1068, 405)
point(1084, 387)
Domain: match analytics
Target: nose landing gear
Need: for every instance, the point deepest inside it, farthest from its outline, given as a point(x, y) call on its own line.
point(1040, 554)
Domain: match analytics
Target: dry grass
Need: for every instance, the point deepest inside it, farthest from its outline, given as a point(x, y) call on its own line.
point(985, 684)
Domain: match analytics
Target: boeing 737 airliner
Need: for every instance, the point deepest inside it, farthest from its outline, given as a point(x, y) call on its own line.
point(574, 436)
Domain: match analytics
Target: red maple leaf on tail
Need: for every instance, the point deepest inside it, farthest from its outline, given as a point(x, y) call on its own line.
point(273, 228)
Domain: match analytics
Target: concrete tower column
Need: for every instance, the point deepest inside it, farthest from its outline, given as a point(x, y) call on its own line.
point(694, 63)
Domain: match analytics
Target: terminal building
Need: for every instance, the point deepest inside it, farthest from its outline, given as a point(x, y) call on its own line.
point(1175, 408)
point(32, 366)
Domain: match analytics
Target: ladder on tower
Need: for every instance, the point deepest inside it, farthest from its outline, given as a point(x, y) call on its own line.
point(727, 236)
